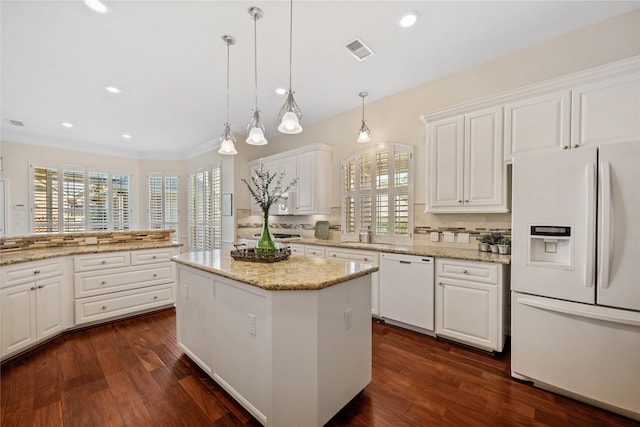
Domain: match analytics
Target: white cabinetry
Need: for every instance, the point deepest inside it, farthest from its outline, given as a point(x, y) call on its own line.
point(33, 302)
point(115, 284)
point(536, 123)
point(606, 111)
point(309, 165)
point(592, 107)
point(465, 170)
point(471, 302)
point(194, 316)
point(362, 256)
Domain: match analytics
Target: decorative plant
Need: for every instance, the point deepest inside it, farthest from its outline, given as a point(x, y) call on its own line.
point(494, 237)
point(485, 238)
point(505, 241)
point(261, 190)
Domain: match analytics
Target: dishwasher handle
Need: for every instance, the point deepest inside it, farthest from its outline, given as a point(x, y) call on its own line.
point(404, 262)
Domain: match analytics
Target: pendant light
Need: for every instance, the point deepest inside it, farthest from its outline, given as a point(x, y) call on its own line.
point(255, 126)
point(227, 140)
point(363, 135)
point(290, 112)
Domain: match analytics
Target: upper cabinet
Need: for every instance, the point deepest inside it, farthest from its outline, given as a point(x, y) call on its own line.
point(468, 144)
point(308, 164)
point(537, 123)
point(606, 111)
point(465, 167)
point(593, 107)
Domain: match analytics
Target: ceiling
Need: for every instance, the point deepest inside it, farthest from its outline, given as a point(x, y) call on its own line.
point(169, 60)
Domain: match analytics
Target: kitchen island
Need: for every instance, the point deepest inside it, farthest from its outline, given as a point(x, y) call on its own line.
point(290, 341)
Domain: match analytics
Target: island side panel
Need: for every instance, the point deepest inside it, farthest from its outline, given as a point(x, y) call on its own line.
point(321, 351)
point(194, 316)
point(242, 344)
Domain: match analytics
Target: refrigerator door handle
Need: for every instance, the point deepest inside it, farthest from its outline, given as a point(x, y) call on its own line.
point(605, 223)
point(591, 215)
point(630, 318)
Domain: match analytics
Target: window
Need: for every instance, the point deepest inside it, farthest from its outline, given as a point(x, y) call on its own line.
point(204, 209)
point(377, 193)
point(70, 199)
point(162, 196)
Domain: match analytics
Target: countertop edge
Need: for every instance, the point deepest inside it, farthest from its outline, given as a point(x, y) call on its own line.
point(276, 287)
point(28, 255)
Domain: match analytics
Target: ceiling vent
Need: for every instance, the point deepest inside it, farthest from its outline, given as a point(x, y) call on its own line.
point(16, 123)
point(360, 50)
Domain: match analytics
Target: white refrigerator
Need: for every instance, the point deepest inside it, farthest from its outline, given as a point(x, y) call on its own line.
point(576, 274)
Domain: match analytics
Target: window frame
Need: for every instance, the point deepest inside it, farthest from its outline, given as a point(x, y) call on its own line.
point(354, 217)
point(60, 225)
point(164, 223)
point(205, 233)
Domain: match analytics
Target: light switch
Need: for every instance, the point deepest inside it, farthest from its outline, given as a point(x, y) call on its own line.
point(449, 237)
point(435, 236)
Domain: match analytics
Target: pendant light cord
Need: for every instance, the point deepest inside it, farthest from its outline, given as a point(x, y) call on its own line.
point(227, 80)
point(363, 108)
point(290, 42)
point(255, 54)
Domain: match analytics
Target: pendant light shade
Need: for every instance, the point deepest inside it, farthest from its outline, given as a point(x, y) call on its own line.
point(227, 140)
point(290, 112)
point(255, 126)
point(363, 133)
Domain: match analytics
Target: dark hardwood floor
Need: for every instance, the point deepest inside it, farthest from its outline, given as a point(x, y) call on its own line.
point(132, 373)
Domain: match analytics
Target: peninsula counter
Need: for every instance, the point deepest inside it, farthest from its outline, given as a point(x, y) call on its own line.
point(290, 341)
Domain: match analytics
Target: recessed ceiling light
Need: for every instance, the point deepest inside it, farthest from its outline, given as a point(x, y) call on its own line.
point(67, 124)
point(281, 91)
point(97, 6)
point(126, 136)
point(408, 19)
point(112, 89)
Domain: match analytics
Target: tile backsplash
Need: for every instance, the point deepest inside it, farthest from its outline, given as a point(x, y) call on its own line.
point(450, 226)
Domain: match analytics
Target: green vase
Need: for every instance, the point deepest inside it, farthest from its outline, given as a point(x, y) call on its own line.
point(265, 245)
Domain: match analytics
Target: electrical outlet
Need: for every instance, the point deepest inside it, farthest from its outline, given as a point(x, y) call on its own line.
point(449, 237)
point(91, 240)
point(435, 236)
point(348, 319)
point(252, 324)
point(463, 237)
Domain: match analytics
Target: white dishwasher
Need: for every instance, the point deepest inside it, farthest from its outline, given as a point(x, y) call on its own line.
point(406, 291)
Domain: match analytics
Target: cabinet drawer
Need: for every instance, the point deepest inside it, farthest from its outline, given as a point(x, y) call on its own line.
point(315, 251)
point(151, 256)
point(122, 303)
point(100, 261)
point(89, 284)
point(296, 249)
point(24, 272)
point(349, 255)
point(476, 271)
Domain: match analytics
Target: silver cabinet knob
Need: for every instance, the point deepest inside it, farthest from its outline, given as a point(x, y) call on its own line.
point(33, 288)
point(366, 259)
point(155, 297)
point(575, 146)
point(36, 271)
point(465, 272)
point(565, 147)
point(459, 201)
point(103, 262)
point(334, 255)
point(104, 307)
point(103, 283)
point(40, 286)
point(155, 275)
point(153, 257)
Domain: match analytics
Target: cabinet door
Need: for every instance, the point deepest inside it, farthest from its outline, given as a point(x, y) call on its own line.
point(305, 196)
point(18, 316)
point(468, 312)
point(194, 317)
point(445, 151)
point(483, 165)
point(607, 111)
point(49, 307)
point(537, 123)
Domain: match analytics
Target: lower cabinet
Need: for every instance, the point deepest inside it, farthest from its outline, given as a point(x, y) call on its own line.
point(356, 255)
point(471, 302)
point(131, 282)
point(32, 309)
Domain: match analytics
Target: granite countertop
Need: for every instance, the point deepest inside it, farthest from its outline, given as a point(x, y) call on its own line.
point(25, 255)
point(419, 250)
point(295, 273)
